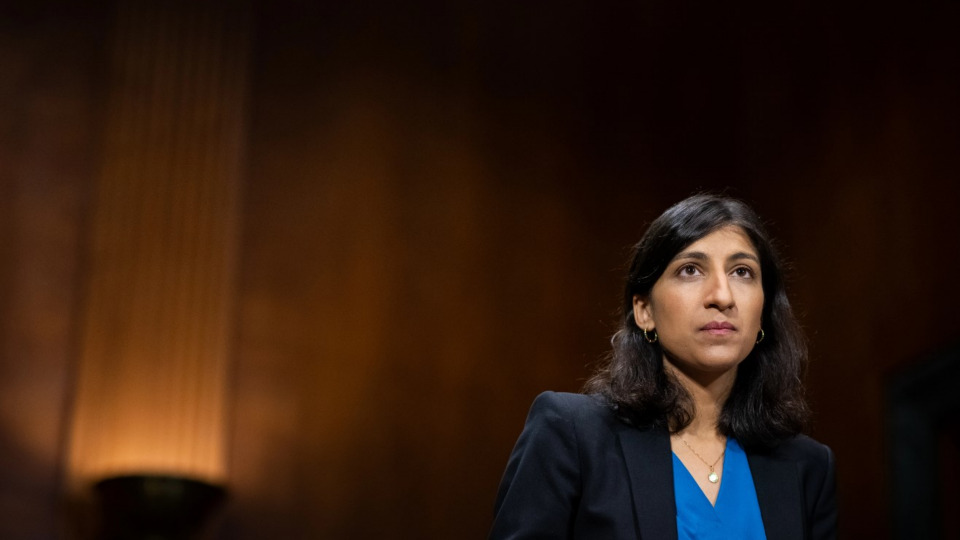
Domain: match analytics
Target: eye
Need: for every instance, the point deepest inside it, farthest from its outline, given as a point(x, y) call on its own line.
point(688, 270)
point(743, 272)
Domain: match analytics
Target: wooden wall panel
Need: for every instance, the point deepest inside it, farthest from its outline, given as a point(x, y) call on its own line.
point(440, 198)
point(50, 105)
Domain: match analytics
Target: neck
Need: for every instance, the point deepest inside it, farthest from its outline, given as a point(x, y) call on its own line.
point(709, 391)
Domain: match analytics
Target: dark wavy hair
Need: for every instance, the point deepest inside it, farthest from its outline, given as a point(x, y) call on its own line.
point(766, 404)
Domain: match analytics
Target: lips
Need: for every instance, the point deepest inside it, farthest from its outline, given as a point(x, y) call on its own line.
point(719, 328)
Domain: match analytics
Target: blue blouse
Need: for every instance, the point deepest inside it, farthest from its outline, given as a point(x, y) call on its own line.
point(737, 512)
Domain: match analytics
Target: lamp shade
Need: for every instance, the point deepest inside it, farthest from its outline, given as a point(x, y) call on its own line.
point(155, 330)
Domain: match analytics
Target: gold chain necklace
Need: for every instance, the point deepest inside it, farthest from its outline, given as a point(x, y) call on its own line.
point(712, 477)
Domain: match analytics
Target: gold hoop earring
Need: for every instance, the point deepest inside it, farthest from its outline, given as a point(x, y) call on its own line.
point(762, 335)
point(647, 337)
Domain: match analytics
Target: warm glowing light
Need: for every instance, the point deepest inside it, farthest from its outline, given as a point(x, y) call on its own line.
point(154, 353)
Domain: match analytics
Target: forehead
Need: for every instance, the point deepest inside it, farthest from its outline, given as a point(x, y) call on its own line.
point(722, 242)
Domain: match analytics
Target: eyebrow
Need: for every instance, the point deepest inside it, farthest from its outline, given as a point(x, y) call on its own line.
point(701, 256)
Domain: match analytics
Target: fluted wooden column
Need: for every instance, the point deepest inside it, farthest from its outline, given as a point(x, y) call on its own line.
point(155, 343)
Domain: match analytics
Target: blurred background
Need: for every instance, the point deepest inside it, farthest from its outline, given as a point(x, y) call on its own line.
point(325, 254)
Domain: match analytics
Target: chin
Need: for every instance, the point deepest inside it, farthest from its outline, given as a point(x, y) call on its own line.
point(728, 354)
point(717, 366)
point(708, 361)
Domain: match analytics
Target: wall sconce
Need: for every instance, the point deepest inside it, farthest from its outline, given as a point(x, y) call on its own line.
point(148, 422)
point(155, 507)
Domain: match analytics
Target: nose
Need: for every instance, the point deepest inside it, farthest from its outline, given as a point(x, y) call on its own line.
point(719, 295)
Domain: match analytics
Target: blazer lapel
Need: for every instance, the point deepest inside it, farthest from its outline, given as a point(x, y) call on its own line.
point(778, 492)
point(650, 466)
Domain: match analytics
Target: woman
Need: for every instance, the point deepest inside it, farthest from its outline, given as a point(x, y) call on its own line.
point(691, 428)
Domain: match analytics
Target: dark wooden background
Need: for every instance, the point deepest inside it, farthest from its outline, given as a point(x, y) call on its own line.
point(438, 199)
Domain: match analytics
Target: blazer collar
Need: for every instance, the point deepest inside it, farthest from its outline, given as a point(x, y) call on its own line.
point(650, 467)
point(778, 491)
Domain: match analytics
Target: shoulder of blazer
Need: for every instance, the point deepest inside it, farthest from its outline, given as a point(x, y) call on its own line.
point(586, 411)
point(810, 455)
point(570, 402)
point(542, 484)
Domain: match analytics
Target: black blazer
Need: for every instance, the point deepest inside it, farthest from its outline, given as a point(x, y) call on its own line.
point(579, 472)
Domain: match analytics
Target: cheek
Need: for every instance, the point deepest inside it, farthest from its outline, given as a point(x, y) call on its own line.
point(756, 309)
point(669, 308)
point(672, 316)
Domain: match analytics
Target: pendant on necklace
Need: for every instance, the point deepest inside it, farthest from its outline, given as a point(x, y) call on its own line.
point(713, 477)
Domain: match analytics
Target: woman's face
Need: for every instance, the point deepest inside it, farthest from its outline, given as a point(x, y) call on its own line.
point(706, 307)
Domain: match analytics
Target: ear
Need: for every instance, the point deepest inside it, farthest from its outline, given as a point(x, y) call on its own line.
point(642, 312)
